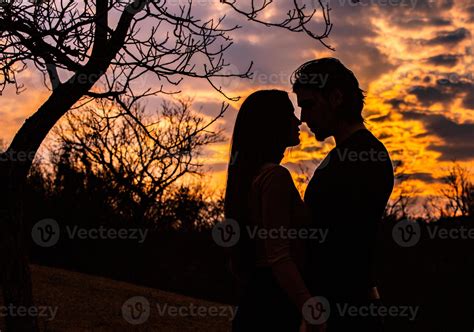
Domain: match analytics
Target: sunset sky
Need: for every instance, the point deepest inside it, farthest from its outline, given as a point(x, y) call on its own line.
point(415, 59)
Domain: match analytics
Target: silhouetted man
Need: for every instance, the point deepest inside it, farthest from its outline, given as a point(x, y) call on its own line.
point(347, 193)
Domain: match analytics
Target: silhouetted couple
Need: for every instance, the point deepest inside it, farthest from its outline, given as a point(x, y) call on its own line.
point(307, 265)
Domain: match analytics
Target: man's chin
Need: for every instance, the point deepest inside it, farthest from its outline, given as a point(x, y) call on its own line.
point(295, 142)
point(320, 137)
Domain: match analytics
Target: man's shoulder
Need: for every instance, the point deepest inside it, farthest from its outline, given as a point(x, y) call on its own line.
point(367, 143)
point(367, 138)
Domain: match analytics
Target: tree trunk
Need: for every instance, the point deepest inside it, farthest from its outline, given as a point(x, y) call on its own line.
point(16, 277)
point(14, 168)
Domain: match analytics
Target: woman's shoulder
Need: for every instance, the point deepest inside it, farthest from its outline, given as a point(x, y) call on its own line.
point(274, 174)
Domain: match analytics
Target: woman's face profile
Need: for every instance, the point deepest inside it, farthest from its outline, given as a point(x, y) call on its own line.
point(293, 122)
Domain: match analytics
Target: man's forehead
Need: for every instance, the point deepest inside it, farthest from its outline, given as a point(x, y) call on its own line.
point(304, 94)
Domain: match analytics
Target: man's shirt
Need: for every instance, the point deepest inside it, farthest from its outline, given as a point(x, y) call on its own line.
point(347, 196)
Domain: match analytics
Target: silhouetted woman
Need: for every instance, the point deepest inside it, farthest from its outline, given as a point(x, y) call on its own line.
point(260, 194)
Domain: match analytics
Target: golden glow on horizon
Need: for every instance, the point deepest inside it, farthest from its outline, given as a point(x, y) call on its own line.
point(407, 140)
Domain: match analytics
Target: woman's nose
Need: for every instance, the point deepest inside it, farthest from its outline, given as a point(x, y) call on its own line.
point(298, 121)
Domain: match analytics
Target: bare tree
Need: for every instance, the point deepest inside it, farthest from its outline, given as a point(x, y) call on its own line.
point(84, 55)
point(433, 208)
point(303, 175)
point(140, 155)
point(458, 192)
point(399, 206)
point(191, 208)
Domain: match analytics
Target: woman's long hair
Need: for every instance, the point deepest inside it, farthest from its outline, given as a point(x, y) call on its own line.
point(260, 136)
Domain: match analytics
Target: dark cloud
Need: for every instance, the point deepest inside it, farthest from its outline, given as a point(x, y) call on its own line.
point(382, 118)
point(428, 95)
point(311, 149)
point(458, 138)
point(470, 11)
point(395, 102)
point(425, 177)
point(431, 6)
point(438, 22)
point(468, 101)
point(442, 92)
point(276, 53)
point(452, 152)
point(416, 23)
point(449, 37)
point(424, 10)
point(353, 46)
point(444, 60)
point(384, 136)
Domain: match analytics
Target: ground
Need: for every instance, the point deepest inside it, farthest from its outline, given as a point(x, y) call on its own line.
point(90, 303)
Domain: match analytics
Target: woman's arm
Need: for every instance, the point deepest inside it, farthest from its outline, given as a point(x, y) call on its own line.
point(277, 196)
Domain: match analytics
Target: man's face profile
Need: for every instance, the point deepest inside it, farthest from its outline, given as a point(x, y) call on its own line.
point(316, 112)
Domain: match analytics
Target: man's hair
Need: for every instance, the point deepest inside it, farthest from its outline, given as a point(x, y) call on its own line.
point(327, 74)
